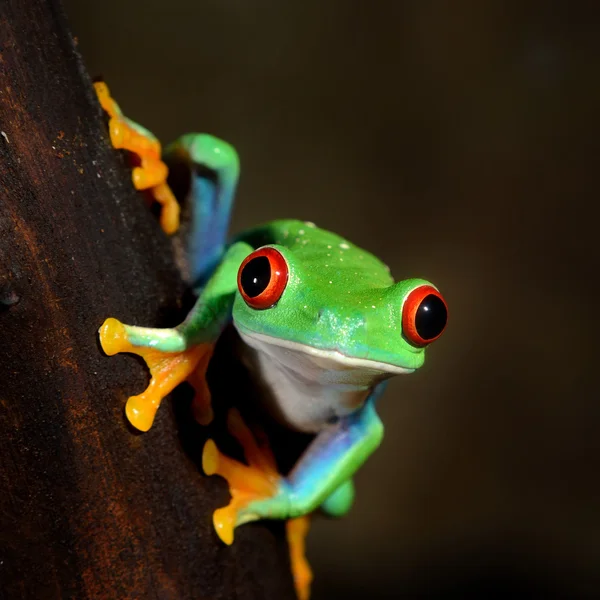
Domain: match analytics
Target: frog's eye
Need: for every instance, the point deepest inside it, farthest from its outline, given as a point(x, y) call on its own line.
point(424, 315)
point(262, 278)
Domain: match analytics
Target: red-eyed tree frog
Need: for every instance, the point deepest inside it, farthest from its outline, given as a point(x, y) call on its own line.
point(322, 325)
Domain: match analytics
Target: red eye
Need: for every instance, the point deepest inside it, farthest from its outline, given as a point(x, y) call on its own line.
point(424, 315)
point(262, 278)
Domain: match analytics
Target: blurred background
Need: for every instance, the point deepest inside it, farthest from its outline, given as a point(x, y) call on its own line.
point(458, 142)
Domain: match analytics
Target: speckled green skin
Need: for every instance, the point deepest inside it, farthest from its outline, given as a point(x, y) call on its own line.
point(338, 297)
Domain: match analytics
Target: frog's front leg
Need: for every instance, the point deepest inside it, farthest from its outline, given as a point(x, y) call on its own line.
point(179, 354)
point(259, 479)
point(332, 458)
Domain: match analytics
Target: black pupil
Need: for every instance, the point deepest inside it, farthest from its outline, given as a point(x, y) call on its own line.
point(256, 276)
point(431, 317)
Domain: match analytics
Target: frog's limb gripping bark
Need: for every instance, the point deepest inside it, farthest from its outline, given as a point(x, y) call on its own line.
point(256, 481)
point(183, 353)
point(167, 370)
point(320, 478)
point(326, 465)
point(152, 173)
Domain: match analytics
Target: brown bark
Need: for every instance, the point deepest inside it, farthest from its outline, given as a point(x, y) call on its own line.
point(90, 509)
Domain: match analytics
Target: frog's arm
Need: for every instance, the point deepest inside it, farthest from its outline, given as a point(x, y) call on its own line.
point(179, 354)
point(320, 478)
point(213, 169)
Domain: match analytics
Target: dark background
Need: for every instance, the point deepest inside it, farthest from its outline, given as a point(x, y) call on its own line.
point(458, 142)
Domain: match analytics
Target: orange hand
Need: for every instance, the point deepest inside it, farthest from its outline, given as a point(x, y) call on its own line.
point(256, 481)
point(167, 370)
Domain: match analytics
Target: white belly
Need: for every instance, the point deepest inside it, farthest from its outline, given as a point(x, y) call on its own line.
point(304, 387)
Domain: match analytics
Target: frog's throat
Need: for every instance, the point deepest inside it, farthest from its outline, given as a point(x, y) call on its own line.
point(319, 355)
point(306, 388)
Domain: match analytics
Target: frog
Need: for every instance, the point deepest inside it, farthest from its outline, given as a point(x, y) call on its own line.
point(322, 327)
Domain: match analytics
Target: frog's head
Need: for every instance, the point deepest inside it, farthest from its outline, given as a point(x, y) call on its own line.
point(344, 325)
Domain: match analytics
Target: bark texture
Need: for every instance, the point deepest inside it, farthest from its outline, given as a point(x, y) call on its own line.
point(91, 509)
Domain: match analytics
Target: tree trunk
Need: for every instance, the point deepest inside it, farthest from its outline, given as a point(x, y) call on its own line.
point(91, 509)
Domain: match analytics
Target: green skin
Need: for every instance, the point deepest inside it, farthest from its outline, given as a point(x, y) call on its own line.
point(338, 298)
point(347, 292)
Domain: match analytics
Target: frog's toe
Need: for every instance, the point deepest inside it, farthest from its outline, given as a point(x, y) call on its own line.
point(113, 337)
point(117, 133)
point(255, 445)
point(201, 406)
point(140, 411)
point(202, 409)
point(245, 482)
point(169, 216)
point(296, 530)
point(154, 172)
point(224, 520)
point(210, 457)
point(214, 463)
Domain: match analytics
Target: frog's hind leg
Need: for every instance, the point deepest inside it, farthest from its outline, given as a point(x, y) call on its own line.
point(170, 362)
point(151, 174)
point(209, 169)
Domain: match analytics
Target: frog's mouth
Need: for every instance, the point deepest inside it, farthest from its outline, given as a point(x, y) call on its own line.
point(306, 387)
point(318, 356)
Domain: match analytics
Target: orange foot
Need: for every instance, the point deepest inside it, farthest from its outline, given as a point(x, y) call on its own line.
point(167, 370)
point(296, 530)
point(258, 480)
point(152, 173)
